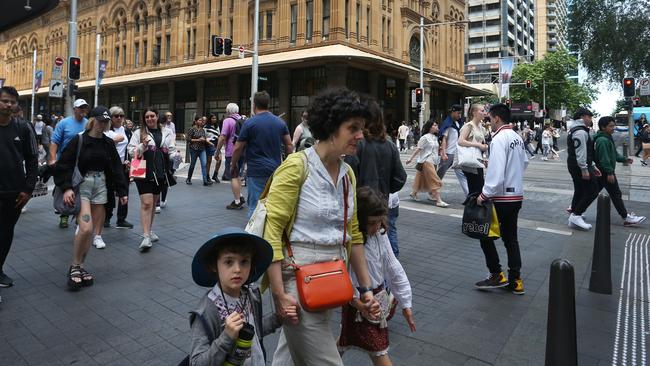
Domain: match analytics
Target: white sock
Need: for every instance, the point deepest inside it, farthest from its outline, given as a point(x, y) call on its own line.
point(237, 201)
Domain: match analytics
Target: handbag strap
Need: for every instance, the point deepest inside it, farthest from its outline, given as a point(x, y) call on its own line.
point(346, 190)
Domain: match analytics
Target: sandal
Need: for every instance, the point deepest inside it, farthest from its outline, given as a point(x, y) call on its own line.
point(86, 278)
point(414, 196)
point(75, 273)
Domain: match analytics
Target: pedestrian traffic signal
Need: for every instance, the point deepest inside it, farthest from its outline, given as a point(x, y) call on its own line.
point(217, 46)
point(636, 101)
point(628, 87)
point(419, 95)
point(74, 90)
point(74, 68)
point(529, 84)
point(227, 46)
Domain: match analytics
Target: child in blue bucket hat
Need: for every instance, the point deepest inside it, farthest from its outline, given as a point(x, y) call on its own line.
point(228, 263)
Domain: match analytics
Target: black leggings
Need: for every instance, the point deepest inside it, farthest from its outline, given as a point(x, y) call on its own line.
point(475, 181)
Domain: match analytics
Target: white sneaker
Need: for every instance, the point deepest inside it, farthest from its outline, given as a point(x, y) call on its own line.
point(76, 230)
point(154, 237)
point(98, 242)
point(578, 222)
point(145, 244)
point(157, 209)
point(163, 204)
point(442, 204)
point(633, 219)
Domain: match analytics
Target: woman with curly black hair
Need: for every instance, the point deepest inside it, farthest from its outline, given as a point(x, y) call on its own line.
point(307, 199)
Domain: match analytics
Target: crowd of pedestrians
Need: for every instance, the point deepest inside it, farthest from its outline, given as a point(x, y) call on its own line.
point(327, 194)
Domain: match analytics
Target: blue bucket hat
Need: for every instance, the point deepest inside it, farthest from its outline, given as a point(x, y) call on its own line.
point(262, 256)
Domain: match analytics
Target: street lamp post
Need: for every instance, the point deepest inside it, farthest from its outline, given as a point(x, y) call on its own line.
point(256, 36)
point(421, 26)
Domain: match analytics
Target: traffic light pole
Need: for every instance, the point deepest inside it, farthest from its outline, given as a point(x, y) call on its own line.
point(630, 126)
point(256, 36)
point(72, 51)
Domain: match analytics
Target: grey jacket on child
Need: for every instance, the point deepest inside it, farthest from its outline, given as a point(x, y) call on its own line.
point(205, 354)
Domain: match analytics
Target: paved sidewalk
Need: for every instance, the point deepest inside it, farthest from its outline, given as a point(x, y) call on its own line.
point(136, 313)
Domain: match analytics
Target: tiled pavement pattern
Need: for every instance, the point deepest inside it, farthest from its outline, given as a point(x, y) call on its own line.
point(136, 313)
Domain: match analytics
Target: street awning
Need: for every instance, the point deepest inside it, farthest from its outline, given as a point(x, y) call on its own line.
point(237, 64)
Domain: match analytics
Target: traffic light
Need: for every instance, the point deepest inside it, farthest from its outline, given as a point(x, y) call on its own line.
point(74, 68)
point(509, 103)
point(636, 101)
point(529, 84)
point(419, 95)
point(227, 46)
point(628, 87)
point(217, 46)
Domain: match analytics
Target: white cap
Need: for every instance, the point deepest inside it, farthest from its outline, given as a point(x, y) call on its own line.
point(39, 117)
point(80, 103)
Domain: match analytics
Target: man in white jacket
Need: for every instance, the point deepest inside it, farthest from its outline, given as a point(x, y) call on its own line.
point(504, 186)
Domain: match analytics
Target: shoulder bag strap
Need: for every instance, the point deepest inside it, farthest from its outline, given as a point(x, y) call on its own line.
point(76, 161)
point(346, 190)
point(303, 178)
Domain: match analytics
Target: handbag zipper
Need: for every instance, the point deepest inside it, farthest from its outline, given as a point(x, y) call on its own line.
point(326, 274)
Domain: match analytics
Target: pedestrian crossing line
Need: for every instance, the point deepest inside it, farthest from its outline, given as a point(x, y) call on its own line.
point(458, 213)
point(553, 231)
point(633, 311)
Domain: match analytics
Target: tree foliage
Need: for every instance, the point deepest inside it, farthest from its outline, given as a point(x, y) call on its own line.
point(560, 90)
point(612, 37)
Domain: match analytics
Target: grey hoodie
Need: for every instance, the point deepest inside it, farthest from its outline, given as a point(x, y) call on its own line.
point(581, 142)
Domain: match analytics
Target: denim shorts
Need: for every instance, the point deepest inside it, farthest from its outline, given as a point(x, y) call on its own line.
point(93, 188)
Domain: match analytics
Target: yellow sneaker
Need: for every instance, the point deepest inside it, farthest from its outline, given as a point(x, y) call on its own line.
point(495, 280)
point(517, 287)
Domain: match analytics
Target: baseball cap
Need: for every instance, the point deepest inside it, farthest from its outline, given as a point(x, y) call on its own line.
point(80, 103)
point(100, 113)
point(456, 108)
point(39, 117)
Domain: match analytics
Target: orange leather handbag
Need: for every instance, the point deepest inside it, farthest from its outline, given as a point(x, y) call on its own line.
point(325, 285)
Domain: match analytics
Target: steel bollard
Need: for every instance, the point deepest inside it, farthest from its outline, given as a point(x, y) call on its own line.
point(561, 342)
point(625, 153)
point(601, 263)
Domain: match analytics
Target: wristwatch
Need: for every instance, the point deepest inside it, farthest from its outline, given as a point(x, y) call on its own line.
point(363, 290)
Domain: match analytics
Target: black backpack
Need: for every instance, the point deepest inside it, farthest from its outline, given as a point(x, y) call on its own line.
point(238, 127)
point(208, 331)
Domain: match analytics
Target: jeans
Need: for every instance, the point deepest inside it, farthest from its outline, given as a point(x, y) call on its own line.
point(584, 191)
point(402, 144)
point(445, 165)
point(529, 149)
point(201, 155)
point(508, 214)
point(393, 213)
point(122, 210)
point(9, 215)
point(614, 194)
point(255, 187)
point(547, 150)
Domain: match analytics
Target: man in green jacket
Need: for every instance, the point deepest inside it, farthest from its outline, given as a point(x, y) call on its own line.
point(606, 157)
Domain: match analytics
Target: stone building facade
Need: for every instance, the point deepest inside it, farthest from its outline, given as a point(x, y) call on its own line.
point(158, 53)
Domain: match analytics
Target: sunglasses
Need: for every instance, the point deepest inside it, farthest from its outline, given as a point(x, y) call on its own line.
point(118, 115)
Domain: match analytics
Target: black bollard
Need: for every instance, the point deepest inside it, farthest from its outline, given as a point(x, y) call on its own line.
point(561, 343)
point(601, 263)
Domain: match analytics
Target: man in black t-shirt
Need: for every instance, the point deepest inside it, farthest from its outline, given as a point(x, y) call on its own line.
point(19, 164)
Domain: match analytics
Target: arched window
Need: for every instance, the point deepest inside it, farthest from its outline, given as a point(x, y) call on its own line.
point(168, 14)
point(414, 51)
point(136, 21)
point(158, 17)
point(145, 18)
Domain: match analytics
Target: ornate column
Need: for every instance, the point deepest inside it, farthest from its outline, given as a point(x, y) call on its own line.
point(283, 16)
point(202, 30)
point(337, 20)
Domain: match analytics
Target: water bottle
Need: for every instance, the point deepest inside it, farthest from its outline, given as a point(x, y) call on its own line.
point(243, 346)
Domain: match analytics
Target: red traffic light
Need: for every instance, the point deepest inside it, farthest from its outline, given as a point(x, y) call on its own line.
point(529, 84)
point(74, 69)
point(419, 93)
point(629, 90)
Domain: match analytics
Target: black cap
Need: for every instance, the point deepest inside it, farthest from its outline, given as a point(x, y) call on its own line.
point(582, 111)
point(100, 113)
point(456, 108)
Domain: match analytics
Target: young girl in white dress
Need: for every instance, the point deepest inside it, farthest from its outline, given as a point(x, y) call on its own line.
point(359, 329)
